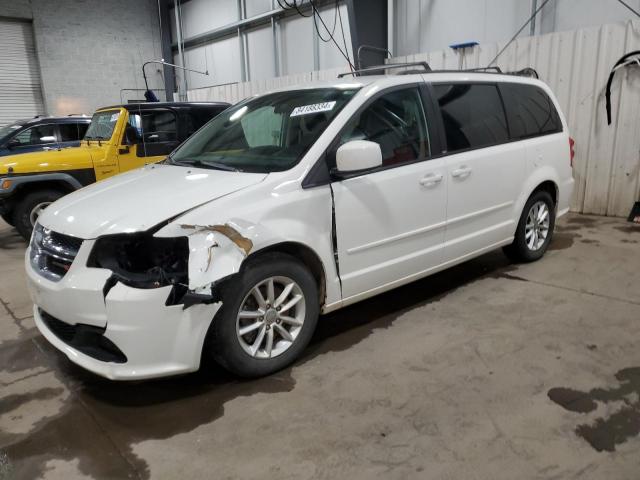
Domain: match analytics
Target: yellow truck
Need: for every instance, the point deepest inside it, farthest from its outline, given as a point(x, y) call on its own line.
point(119, 138)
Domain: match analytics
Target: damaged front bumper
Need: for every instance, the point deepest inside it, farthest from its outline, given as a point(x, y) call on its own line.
point(115, 330)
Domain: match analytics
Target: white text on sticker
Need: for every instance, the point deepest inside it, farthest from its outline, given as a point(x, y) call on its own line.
point(315, 108)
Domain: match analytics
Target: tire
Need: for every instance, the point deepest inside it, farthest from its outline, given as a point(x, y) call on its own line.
point(231, 349)
point(23, 210)
point(528, 244)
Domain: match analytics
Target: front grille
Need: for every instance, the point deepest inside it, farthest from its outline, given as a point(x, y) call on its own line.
point(52, 253)
point(87, 339)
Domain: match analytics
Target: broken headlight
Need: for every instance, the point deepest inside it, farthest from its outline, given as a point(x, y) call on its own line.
point(141, 260)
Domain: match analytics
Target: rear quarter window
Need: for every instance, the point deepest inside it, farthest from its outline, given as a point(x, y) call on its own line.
point(530, 111)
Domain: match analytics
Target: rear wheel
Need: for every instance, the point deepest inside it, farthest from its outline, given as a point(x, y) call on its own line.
point(268, 315)
point(535, 229)
point(30, 207)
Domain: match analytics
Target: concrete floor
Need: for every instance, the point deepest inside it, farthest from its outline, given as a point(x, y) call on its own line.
point(486, 371)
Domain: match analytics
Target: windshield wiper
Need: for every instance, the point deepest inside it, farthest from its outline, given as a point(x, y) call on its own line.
point(98, 138)
point(206, 164)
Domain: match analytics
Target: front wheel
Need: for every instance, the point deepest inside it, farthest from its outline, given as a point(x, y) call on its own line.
point(535, 229)
point(29, 208)
point(268, 315)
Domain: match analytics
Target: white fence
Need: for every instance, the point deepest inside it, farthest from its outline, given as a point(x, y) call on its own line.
point(576, 65)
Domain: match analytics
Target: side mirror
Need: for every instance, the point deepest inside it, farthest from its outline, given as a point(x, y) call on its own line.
point(358, 155)
point(51, 139)
point(13, 144)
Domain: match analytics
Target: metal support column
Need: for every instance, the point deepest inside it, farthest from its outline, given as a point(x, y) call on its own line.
point(244, 61)
point(165, 43)
point(182, 86)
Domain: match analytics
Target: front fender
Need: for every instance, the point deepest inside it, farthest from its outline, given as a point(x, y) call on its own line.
point(218, 250)
point(9, 184)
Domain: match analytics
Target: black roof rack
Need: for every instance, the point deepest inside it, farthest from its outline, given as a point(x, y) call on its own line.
point(525, 72)
point(388, 66)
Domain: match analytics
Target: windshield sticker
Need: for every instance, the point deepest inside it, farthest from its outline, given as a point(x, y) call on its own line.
point(315, 108)
point(114, 117)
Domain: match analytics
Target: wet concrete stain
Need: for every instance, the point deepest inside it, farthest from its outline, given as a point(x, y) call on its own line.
point(607, 432)
point(626, 240)
point(582, 221)
point(628, 229)
point(563, 239)
point(102, 420)
point(590, 241)
point(11, 402)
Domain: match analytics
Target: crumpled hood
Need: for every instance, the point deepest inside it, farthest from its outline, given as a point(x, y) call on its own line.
point(140, 199)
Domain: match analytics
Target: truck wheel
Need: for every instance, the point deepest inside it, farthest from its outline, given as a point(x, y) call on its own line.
point(29, 208)
point(268, 315)
point(535, 229)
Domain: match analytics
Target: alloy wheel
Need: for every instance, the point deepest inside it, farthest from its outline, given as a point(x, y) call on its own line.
point(537, 227)
point(271, 317)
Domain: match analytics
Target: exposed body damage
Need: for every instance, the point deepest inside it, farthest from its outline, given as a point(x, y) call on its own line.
point(126, 316)
point(215, 252)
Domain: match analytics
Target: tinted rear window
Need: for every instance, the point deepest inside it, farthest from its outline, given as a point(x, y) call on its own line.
point(529, 110)
point(472, 114)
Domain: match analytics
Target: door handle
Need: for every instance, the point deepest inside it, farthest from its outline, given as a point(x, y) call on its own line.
point(462, 172)
point(431, 180)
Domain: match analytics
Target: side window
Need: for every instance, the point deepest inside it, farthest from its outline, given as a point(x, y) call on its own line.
point(529, 110)
point(68, 132)
point(152, 126)
point(395, 121)
point(159, 126)
point(38, 135)
point(472, 114)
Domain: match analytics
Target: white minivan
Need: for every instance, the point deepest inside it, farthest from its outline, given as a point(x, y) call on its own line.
point(296, 203)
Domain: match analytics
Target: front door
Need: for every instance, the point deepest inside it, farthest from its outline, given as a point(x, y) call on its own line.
point(149, 136)
point(485, 170)
point(390, 222)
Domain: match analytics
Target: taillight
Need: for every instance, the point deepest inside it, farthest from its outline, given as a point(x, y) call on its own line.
point(572, 150)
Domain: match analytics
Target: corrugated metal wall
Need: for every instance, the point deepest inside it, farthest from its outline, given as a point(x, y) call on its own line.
point(20, 90)
point(576, 65)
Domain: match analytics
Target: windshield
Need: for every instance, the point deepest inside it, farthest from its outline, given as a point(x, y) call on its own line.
point(7, 129)
point(266, 134)
point(102, 125)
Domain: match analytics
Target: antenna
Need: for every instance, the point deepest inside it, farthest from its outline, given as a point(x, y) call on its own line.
point(149, 94)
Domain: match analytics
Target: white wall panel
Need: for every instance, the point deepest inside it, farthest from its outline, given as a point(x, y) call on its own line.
point(297, 44)
point(260, 53)
point(429, 25)
point(199, 16)
point(221, 58)
point(329, 56)
point(256, 7)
